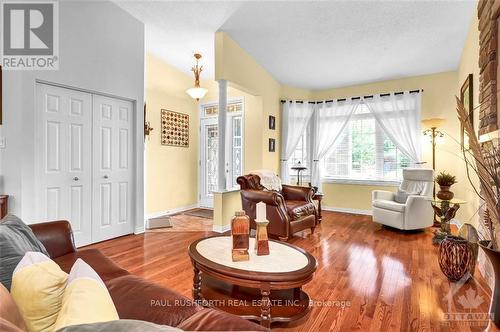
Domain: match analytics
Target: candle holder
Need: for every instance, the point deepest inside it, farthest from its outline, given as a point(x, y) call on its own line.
point(261, 239)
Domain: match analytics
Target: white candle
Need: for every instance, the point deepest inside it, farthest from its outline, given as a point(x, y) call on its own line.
point(261, 211)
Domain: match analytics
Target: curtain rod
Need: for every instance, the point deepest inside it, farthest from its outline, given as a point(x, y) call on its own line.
point(353, 98)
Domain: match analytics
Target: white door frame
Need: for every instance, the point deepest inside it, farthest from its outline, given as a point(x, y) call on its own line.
point(203, 200)
point(137, 153)
point(202, 115)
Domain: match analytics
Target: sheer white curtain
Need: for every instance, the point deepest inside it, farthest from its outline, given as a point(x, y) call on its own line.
point(329, 121)
point(399, 117)
point(296, 118)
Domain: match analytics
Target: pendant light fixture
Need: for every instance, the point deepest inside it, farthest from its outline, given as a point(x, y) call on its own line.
point(197, 92)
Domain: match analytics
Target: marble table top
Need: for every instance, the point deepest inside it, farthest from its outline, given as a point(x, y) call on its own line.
point(282, 258)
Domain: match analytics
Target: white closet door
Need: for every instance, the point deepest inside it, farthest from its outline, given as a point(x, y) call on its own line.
point(64, 164)
point(112, 168)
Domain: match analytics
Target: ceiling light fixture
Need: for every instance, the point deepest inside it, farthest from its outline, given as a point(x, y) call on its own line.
point(197, 92)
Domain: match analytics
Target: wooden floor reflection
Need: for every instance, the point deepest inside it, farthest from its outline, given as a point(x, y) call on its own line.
point(369, 278)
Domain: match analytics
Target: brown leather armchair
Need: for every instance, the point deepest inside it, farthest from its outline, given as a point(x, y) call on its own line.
point(289, 211)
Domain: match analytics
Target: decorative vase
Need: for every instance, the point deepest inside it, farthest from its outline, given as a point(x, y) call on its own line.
point(261, 239)
point(456, 258)
point(240, 232)
point(444, 193)
point(494, 257)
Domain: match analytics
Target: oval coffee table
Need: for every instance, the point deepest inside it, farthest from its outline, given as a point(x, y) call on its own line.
point(266, 288)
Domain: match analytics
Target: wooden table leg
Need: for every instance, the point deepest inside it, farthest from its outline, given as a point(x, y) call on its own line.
point(296, 293)
point(320, 218)
point(196, 283)
point(265, 307)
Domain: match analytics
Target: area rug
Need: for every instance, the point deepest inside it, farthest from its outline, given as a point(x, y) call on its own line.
point(186, 223)
point(161, 222)
point(202, 213)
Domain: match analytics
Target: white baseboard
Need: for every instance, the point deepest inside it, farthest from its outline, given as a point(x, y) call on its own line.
point(171, 211)
point(139, 230)
point(347, 210)
point(221, 229)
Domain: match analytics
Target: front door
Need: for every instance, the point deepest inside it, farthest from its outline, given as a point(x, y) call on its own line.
point(209, 145)
point(208, 153)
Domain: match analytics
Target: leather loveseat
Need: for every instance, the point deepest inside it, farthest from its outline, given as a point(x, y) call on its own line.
point(289, 211)
point(135, 297)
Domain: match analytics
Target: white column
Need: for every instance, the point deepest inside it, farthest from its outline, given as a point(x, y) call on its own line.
point(221, 165)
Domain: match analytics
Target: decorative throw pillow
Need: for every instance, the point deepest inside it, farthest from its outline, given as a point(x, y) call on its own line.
point(9, 311)
point(16, 239)
point(268, 179)
point(86, 299)
point(401, 196)
point(128, 325)
point(38, 285)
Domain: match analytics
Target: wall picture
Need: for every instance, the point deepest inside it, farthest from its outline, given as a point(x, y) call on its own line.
point(466, 96)
point(272, 145)
point(272, 122)
point(174, 129)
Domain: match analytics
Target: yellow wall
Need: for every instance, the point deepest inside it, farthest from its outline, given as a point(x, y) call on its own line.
point(225, 206)
point(350, 197)
point(171, 172)
point(469, 64)
point(235, 65)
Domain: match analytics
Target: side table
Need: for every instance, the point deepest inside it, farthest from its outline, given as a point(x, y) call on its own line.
point(299, 169)
point(445, 210)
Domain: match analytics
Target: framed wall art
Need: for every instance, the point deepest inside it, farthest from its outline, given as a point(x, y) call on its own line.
point(272, 145)
point(272, 122)
point(466, 96)
point(174, 128)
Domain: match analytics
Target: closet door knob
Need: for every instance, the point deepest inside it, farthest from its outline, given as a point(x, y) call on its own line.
point(76, 178)
point(105, 176)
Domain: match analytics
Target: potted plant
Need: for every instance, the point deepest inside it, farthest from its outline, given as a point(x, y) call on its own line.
point(445, 181)
point(484, 159)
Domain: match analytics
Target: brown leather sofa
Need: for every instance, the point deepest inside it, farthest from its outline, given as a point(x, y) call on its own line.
point(134, 297)
point(289, 211)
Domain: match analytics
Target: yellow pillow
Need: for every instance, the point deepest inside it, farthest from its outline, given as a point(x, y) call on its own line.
point(38, 286)
point(86, 299)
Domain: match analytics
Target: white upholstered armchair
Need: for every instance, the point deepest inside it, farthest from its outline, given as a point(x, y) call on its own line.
point(409, 208)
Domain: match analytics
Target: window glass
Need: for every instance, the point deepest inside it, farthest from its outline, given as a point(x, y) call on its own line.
point(363, 152)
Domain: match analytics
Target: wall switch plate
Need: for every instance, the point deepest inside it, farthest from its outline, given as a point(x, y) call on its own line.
point(2, 142)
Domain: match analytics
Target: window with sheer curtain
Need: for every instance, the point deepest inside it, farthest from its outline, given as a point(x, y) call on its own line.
point(364, 152)
point(300, 156)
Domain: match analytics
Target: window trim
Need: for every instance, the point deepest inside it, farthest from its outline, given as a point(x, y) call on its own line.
point(361, 182)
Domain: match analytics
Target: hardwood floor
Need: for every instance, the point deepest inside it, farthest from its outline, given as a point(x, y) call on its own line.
point(369, 278)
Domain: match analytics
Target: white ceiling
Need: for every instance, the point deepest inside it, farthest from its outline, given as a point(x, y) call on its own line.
point(313, 45)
